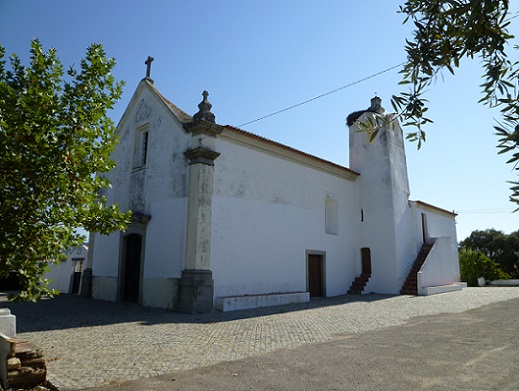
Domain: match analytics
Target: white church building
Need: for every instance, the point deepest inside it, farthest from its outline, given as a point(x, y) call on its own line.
point(226, 219)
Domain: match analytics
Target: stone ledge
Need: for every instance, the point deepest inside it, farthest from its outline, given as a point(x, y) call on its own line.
point(235, 303)
point(22, 364)
point(504, 283)
point(434, 290)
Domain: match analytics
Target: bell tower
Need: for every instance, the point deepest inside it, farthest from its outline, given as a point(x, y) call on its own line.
point(383, 192)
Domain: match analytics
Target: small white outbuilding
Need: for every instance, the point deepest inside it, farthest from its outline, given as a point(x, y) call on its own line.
point(226, 219)
point(66, 275)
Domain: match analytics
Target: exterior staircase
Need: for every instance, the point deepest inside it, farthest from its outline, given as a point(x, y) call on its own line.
point(410, 286)
point(359, 283)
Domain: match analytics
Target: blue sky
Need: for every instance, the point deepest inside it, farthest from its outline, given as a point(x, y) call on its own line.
point(259, 57)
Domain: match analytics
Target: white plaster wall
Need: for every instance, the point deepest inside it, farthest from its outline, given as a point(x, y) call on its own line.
point(377, 232)
point(164, 175)
point(383, 196)
point(105, 258)
point(267, 212)
point(157, 189)
point(409, 242)
point(438, 224)
point(441, 266)
point(165, 239)
point(61, 274)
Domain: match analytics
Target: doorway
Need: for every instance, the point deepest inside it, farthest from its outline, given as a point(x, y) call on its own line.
point(131, 268)
point(425, 234)
point(315, 275)
point(76, 277)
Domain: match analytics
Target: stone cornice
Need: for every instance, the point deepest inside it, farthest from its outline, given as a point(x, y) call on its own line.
point(201, 155)
point(140, 218)
point(203, 127)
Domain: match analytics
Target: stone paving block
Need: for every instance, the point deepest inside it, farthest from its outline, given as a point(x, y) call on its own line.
point(88, 342)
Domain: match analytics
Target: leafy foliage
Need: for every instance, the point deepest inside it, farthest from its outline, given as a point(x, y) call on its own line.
point(475, 264)
point(445, 32)
point(54, 136)
point(499, 247)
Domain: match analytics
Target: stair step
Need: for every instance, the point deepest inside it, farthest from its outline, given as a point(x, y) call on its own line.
point(359, 283)
point(410, 286)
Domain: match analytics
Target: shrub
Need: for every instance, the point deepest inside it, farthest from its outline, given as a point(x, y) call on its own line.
point(475, 264)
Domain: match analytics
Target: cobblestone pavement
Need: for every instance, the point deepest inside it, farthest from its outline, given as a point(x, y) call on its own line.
point(89, 342)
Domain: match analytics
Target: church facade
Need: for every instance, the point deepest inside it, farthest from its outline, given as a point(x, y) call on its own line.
point(226, 219)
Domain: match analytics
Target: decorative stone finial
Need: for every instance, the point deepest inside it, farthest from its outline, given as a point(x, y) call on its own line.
point(148, 68)
point(376, 105)
point(204, 110)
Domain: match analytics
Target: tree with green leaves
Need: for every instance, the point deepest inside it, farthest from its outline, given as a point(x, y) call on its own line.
point(55, 136)
point(498, 246)
point(475, 264)
point(445, 32)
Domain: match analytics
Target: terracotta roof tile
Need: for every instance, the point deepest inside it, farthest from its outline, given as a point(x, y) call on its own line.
point(429, 206)
point(286, 147)
point(180, 114)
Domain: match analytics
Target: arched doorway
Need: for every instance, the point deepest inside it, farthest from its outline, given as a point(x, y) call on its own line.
point(131, 268)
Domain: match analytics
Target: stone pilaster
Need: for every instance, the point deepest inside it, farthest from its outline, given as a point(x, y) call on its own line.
point(196, 284)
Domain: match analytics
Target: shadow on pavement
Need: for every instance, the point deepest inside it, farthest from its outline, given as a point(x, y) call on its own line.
point(71, 311)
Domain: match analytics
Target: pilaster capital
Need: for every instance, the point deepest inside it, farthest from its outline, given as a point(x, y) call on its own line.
point(201, 155)
point(203, 127)
point(140, 218)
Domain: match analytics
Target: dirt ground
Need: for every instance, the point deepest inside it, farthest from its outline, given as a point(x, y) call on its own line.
point(474, 350)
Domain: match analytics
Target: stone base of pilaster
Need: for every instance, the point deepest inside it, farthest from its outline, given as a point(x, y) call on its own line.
point(196, 291)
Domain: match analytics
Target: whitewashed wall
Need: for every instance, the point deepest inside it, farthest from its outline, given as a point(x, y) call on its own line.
point(383, 196)
point(442, 265)
point(267, 213)
point(62, 273)
point(157, 189)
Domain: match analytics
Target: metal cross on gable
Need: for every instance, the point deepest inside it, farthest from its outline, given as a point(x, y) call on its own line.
point(148, 66)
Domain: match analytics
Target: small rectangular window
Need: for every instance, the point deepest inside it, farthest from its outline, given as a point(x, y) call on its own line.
point(141, 149)
point(144, 147)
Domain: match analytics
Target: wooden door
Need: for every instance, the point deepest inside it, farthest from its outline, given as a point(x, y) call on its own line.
point(315, 275)
point(366, 260)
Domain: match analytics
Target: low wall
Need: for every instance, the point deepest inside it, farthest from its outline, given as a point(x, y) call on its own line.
point(504, 283)
point(7, 322)
point(441, 268)
point(236, 303)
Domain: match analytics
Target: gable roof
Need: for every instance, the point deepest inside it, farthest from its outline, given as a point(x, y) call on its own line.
point(179, 114)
